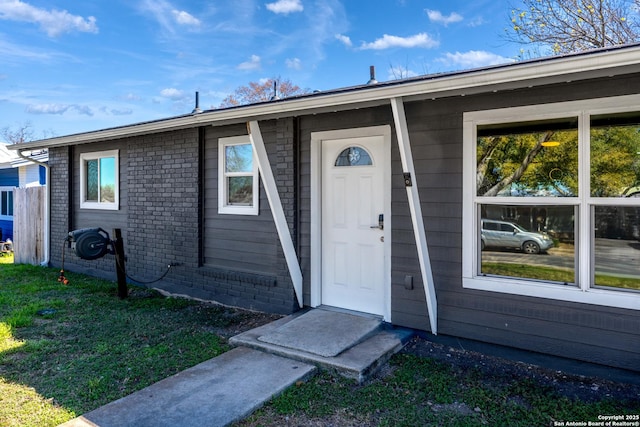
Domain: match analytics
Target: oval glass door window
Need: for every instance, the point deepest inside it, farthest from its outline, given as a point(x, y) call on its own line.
point(354, 156)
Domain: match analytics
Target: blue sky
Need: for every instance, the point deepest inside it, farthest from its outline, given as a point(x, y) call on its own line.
point(70, 66)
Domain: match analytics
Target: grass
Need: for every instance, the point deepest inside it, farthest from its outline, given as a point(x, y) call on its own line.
point(554, 274)
point(65, 350)
point(422, 391)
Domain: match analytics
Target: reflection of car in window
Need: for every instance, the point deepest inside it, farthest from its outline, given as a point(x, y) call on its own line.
point(502, 234)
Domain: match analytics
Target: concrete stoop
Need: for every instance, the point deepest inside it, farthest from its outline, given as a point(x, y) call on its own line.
point(266, 361)
point(365, 349)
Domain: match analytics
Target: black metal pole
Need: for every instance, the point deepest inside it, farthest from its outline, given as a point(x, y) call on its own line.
point(121, 272)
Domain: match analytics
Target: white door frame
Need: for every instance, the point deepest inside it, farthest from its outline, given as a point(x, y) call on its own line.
point(316, 207)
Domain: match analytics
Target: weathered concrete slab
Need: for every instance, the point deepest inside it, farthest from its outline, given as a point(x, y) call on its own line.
point(359, 361)
point(214, 393)
point(323, 332)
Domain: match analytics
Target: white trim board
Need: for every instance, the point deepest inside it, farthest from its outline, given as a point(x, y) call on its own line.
point(404, 145)
point(270, 187)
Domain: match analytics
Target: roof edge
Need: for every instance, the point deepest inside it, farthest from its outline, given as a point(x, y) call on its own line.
point(584, 65)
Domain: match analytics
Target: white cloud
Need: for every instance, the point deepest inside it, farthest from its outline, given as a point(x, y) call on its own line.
point(167, 15)
point(53, 22)
point(438, 17)
point(58, 109)
point(474, 59)
point(121, 111)
point(130, 97)
point(185, 18)
point(253, 64)
point(285, 6)
point(387, 41)
point(172, 93)
point(294, 63)
point(345, 40)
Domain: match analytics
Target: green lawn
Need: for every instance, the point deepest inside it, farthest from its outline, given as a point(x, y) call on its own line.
point(422, 391)
point(65, 350)
point(555, 274)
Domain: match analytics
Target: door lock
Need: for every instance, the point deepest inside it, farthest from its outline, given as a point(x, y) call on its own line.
point(380, 225)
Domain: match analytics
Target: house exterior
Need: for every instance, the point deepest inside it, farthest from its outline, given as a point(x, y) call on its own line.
point(9, 179)
point(16, 173)
point(371, 199)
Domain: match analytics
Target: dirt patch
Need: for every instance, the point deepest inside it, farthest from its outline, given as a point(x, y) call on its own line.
point(496, 373)
point(501, 371)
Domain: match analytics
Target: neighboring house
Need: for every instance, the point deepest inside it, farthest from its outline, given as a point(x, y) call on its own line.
point(370, 198)
point(31, 174)
point(17, 172)
point(9, 179)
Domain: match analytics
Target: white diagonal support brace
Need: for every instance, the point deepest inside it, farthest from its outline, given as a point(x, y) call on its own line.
point(270, 187)
point(406, 157)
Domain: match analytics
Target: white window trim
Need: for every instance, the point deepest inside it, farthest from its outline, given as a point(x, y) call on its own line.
point(6, 217)
point(223, 207)
point(84, 157)
point(582, 293)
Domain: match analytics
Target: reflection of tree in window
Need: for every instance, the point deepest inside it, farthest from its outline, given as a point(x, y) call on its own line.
point(107, 180)
point(537, 158)
point(240, 190)
point(239, 168)
point(239, 158)
point(92, 181)
point(615, 154)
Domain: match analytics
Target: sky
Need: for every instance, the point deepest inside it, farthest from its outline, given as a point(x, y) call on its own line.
point(71, 66)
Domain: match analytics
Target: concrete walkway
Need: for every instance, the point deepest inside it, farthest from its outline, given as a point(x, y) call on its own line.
point(268, 360)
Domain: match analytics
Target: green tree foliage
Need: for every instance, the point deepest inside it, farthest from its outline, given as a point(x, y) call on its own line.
point(544, 162)
point(568, 26)
point(262, 91)
point(615, 160)
point(520, 164)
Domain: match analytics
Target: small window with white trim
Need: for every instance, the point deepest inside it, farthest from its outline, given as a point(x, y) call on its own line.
point(552, 201)
point(6, 203)
point(99, 180)
point(238, 190)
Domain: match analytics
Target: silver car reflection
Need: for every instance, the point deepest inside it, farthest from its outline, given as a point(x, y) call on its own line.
point(503, 234)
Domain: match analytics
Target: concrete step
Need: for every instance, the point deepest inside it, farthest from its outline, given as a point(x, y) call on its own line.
point(364, 346)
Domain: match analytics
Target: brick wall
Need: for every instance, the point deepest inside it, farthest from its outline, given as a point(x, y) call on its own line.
point(161, 219)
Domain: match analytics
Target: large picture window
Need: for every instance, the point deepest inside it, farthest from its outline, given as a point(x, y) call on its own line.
point(552, 196)
point(237, 177)
point(99, 180)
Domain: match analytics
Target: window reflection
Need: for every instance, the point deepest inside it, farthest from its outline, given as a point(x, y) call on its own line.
point(535, 158)
point(533, 242)
point(617, 247)
point(615, 155)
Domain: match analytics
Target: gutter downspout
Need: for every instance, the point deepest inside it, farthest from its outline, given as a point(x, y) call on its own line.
point(47, 206)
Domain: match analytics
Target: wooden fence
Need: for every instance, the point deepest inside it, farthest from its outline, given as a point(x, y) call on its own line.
point(28, 225)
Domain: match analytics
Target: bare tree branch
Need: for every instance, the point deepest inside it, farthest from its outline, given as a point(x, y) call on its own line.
point(567, 26)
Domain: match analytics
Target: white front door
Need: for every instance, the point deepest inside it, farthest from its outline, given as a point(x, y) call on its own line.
point(354, 269)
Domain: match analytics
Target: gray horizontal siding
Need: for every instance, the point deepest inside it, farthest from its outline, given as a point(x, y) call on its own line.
point(594, 333)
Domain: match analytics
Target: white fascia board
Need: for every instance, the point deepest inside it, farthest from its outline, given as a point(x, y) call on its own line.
point(532, 73)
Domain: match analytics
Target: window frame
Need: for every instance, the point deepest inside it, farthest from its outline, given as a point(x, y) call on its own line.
point(584, 205)
point(7, 190)
point(98, 155)
point(223, 190)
